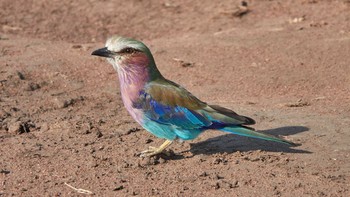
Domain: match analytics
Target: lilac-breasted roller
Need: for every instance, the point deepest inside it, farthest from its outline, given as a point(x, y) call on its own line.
point(163, 107)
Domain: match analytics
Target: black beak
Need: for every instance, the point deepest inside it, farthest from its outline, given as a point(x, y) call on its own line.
point(103, 52)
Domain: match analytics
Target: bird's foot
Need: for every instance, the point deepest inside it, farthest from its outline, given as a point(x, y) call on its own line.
point(151, 151)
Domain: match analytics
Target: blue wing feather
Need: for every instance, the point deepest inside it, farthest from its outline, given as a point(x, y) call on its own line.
point(177, 116)
point(169, 120)
point(170, 115)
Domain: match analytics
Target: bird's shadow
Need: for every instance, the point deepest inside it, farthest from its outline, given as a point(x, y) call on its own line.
point(231, 143)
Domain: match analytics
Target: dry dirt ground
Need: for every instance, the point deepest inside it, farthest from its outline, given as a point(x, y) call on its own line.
point(285, 63)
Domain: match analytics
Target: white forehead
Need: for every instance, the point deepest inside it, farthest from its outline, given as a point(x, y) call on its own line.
point(117, 43)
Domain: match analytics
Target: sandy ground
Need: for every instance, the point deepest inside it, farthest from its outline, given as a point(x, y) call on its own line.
point(284, 63)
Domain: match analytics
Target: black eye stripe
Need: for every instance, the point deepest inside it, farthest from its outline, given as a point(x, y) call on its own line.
point(128, 50)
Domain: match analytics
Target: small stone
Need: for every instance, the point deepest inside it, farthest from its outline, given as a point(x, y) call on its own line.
point(149, 161)
point(162, 160)
point(68, 102)
point(203, 174)
point(77, 46)
point(153, 160)
point(15, 128)
point(202, 158)
point(226, 184)
point(32, 87)
point(118, 188)
point(99, 134)
point(93, 164)
point(220, 160)
point(63, 103)
point(149, 141)
point(234, 184)
point(20, 75)
point(44, 127)
point(299, 103)
point(5, 172)
point(3, 114)
point(132, 130)
point(217, 185)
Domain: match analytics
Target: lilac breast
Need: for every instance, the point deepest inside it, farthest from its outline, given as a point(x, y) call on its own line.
point(132, 81)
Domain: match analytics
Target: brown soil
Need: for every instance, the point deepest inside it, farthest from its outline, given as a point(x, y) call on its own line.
point(284, 63)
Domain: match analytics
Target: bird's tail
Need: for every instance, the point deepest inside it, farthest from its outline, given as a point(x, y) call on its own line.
point(249, 132)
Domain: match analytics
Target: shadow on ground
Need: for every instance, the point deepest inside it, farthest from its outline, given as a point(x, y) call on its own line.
point(230, 143)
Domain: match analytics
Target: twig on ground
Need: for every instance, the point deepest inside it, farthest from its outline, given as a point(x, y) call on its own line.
point(82, 191)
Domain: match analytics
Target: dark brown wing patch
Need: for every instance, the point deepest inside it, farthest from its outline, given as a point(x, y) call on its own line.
point(227, 112)
point(170, 93)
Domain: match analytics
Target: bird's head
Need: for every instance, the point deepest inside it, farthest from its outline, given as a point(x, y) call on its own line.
point(125, 53)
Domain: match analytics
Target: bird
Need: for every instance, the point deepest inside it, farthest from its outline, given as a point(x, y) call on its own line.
point(164, 108)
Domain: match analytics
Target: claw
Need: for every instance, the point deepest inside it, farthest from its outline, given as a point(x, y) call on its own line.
point(151, 151)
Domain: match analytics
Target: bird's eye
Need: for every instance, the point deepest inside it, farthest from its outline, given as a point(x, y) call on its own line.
point(128, 50)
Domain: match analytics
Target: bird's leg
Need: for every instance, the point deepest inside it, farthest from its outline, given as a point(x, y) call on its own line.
point(155, 151)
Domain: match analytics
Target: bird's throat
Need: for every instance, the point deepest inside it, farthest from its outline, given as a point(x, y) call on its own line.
point(133, 81)
point(134, 75)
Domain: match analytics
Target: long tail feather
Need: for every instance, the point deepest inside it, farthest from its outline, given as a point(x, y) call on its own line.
point(248, 132)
